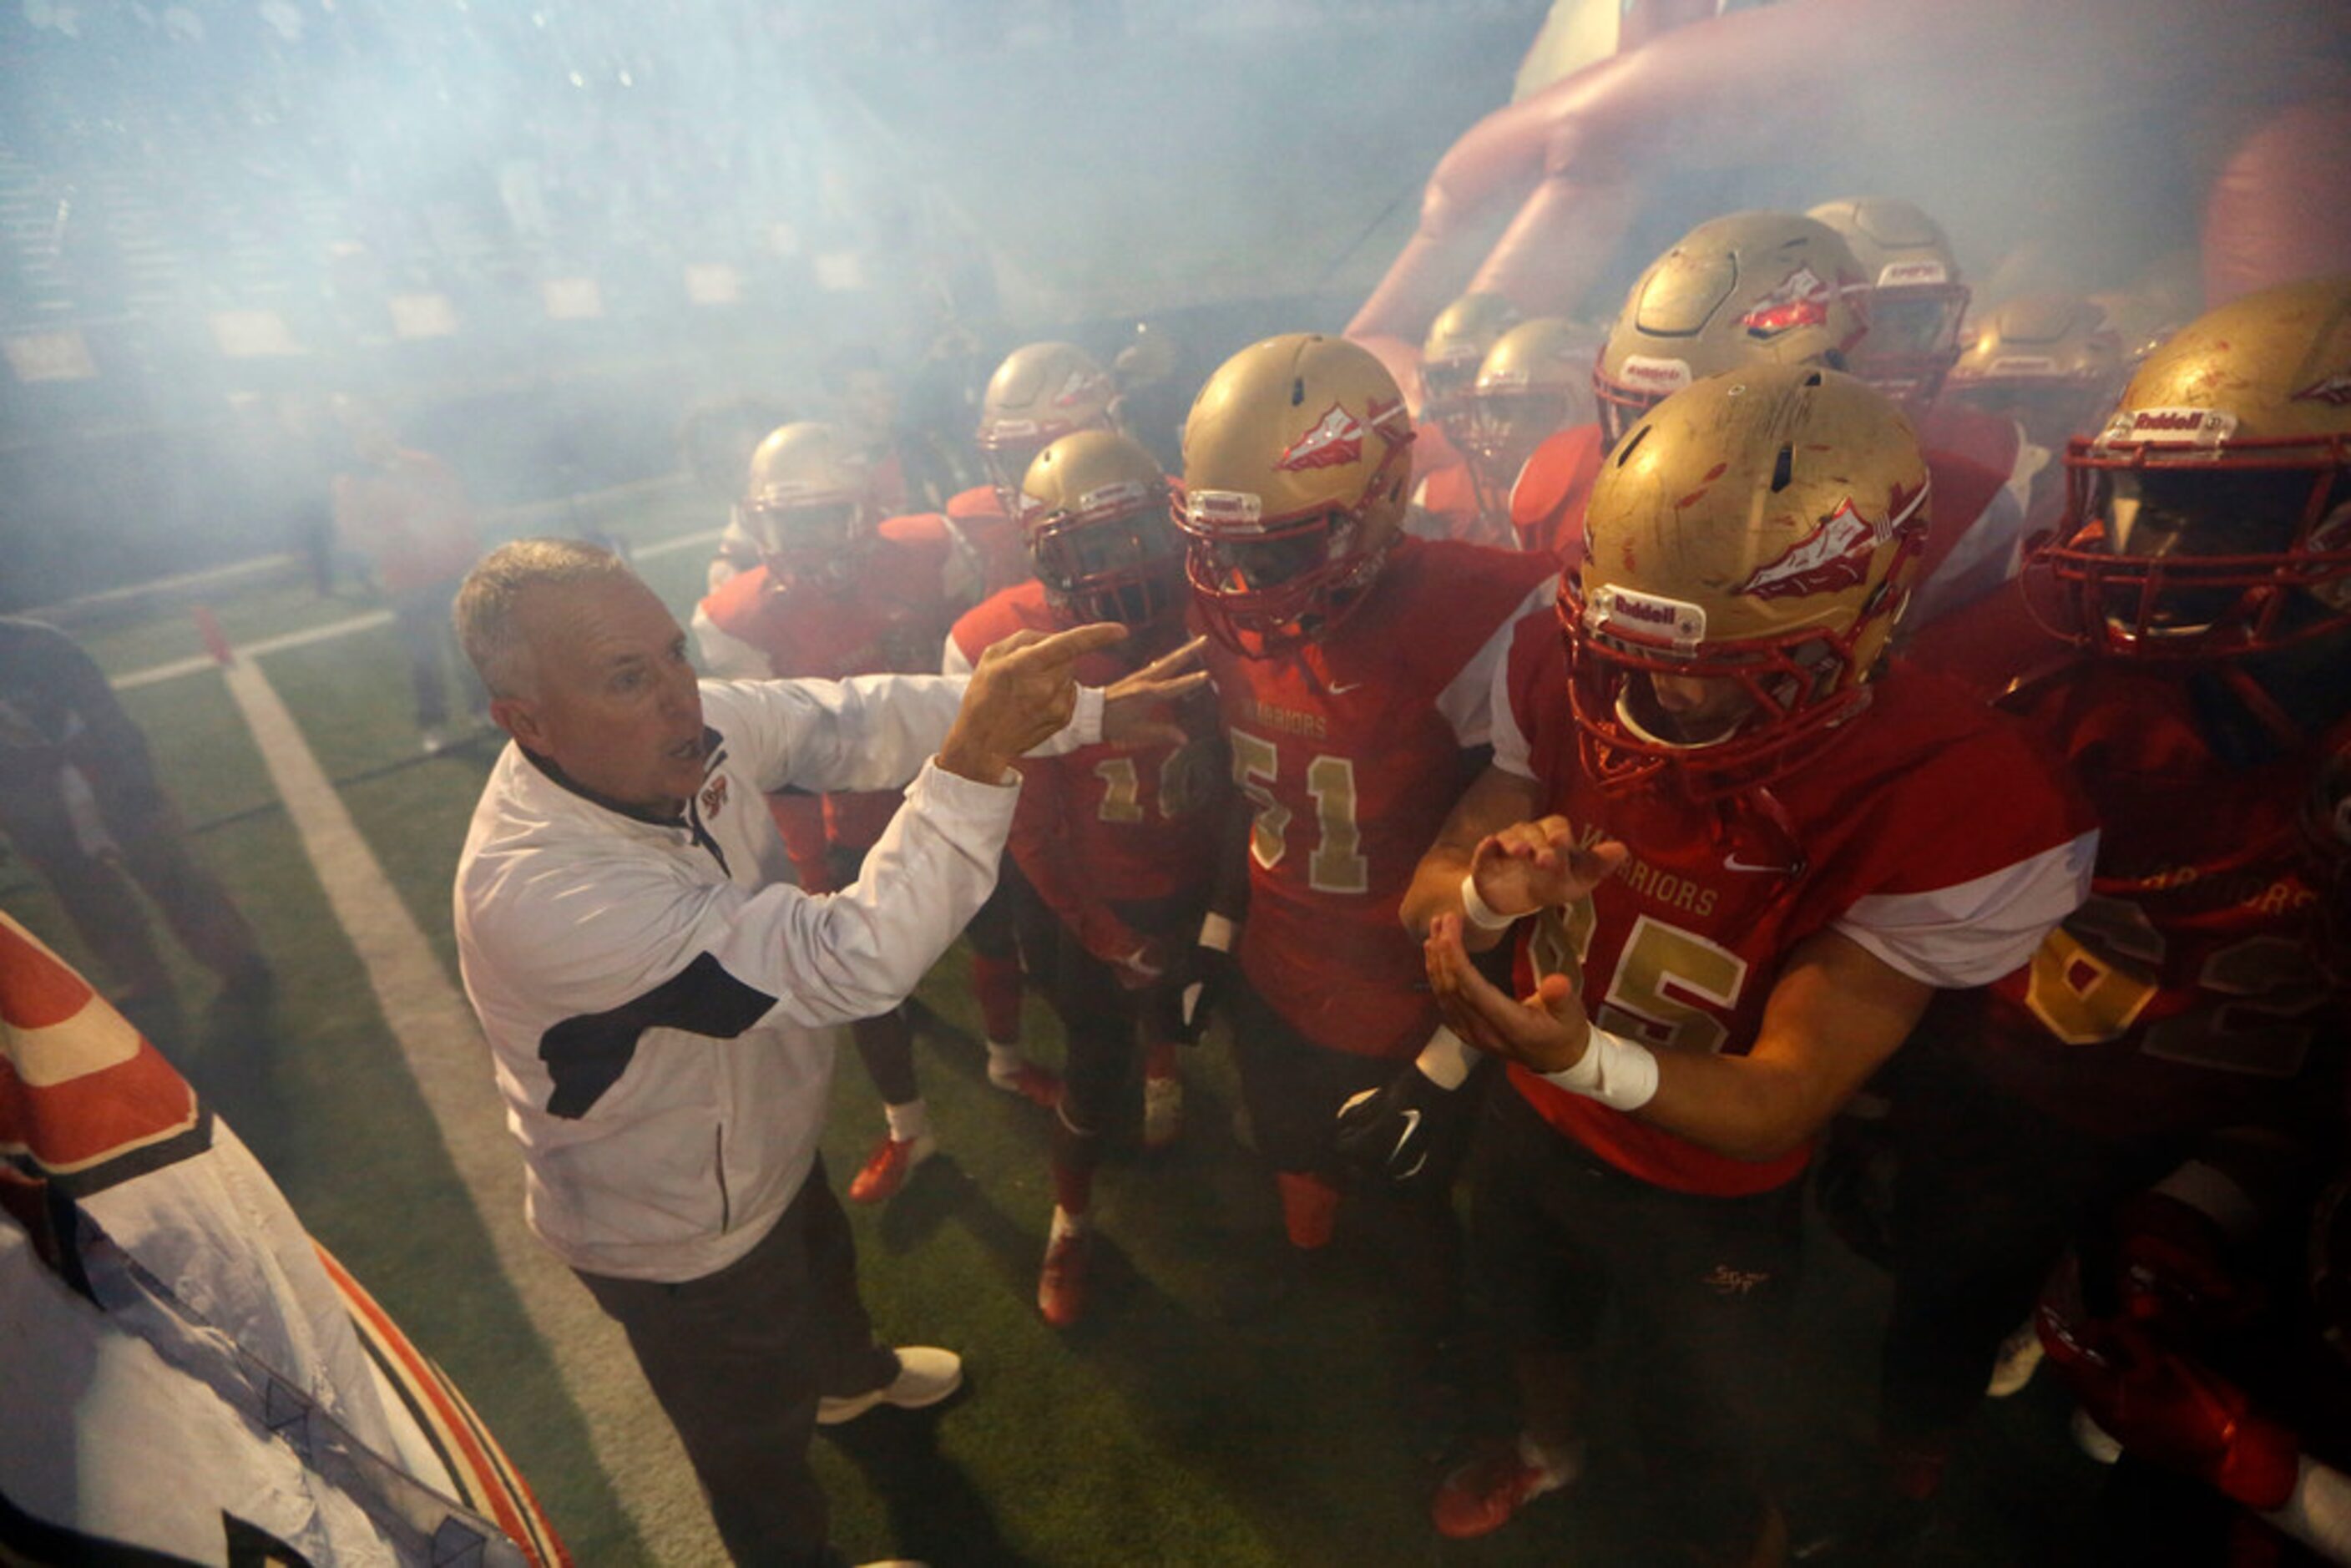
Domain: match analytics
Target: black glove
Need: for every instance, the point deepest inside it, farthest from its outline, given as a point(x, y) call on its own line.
point(1200, 990)
point(1392, 1135)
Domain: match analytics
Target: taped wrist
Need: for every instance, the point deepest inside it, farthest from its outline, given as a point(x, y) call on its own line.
point(1616, 1072)
point(1446, 1059)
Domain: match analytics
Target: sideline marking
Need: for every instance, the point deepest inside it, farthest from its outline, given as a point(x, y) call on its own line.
point(446, 1055)
point(198, 662)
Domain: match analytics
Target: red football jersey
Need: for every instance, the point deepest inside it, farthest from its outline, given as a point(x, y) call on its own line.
point(2188, 992)
point(995, 539)
point(1447, 505)
point(1104, 824)
point(1351, 749)
point(1547, 500)
point(1929, 830)
point(887, 620)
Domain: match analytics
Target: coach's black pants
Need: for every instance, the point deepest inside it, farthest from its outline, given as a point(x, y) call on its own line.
point(739, 1359)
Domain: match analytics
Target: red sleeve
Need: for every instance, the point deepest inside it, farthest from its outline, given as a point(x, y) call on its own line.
point(734, 607)
point(1042, 845)
point(979, 501)
point(1548, 501)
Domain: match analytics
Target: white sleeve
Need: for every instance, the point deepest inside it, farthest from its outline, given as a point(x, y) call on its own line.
point(869, 732)
point(602, 932)
point(1513, 752)
point(1472, 702)
point(1974, 932)
point(727, 656)
point(953, 662)
point(2318, 1514)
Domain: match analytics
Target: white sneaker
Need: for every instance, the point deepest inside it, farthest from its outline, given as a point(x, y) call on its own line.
point(926, 1374)
point(1162, 1111)
point(2019, 1359)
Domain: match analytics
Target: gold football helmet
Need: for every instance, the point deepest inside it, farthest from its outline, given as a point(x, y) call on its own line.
point(1297, 462)
point(1098, 529)
point(808, 503)
point(1041, 393)
point(1917, 299)
point(1456, 346)
point(2049, 362)
point(1749, 549)
point(2211, 517)
point(1751, 288)
point(1536, 379)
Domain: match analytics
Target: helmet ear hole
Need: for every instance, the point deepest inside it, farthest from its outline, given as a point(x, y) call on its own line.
point(1784, 466)
point(1625, 452)
point(1814, 379)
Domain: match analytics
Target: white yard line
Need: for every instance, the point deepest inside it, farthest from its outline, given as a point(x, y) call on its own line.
point(445, 1054)
point(199, 662)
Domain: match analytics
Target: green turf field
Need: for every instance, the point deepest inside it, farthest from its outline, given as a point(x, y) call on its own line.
point(1157, 1433)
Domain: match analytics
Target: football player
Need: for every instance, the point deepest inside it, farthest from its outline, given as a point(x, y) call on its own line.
point(1119, 842)
point(1703, 825)
point(1449, 357)
point(836, 595)
point(1761, 287)
point(1040, 392)
point(1352, 664)
point(1917, 299)
point(2184, 648)
point(1747, 288)
point(1535, 380)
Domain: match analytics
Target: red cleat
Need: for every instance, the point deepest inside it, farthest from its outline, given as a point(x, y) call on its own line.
point(1061, 1284)
point(1480, 1497)
point(887, 1169)
point(1031, 1082)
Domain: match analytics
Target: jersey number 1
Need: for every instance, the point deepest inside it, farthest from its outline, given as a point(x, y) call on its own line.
point(1337, 863)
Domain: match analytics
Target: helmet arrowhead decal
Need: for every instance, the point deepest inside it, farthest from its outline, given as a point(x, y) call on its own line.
point(1336, 438)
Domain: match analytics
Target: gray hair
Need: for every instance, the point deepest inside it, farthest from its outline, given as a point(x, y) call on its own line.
point(488, 624)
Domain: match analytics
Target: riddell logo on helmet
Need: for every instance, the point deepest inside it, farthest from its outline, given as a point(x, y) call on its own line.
point(1230, 511)
point(1896, 274)
point(1655, 375)
point(1614, 608)
point(2161, 426)
point(2335, 389)
point(1335, 439)
point(1118, 493)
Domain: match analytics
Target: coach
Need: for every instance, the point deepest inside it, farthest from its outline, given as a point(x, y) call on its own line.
point(657, 995)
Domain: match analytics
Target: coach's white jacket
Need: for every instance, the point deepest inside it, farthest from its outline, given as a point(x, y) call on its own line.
point(657, 995)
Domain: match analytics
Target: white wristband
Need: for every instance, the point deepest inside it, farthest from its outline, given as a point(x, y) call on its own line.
point(1446, 1059)
point(1217, 931)
point(1478, 912)
point(1618, 1072)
